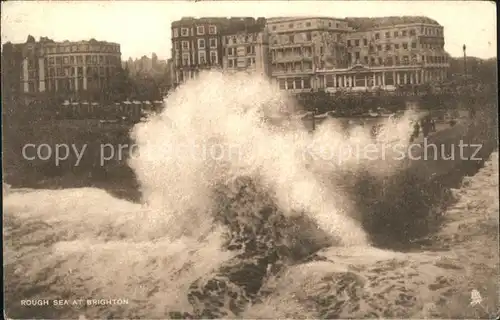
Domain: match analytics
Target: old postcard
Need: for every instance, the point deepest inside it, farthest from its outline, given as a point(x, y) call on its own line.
point(250, 159)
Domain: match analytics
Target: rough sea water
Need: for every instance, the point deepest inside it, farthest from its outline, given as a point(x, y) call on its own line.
point(241, 218)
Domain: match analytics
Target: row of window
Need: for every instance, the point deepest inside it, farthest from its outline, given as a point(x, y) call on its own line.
point(187, 59)
point(200, 30)
point(80, 72)
point(230, 40)
point(201, 44)
point(240, 51)
point(293, 67)
point(70, 85)
point(307, 24)
point(89, 59)
point(397, 59)
point(240, 63)
point(83, 47)
point(411, 32)
point(64, 84)
point(294, 83)
point(293, 52)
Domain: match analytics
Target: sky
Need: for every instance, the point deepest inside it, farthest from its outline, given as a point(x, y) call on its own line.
point(143, 27)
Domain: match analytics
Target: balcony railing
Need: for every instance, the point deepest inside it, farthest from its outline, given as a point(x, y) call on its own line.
point(292, 71)
point(291, 58)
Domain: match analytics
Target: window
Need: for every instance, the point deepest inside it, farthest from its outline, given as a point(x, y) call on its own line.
point(290, 39)
point(58, 60)
point(372, 60)
point(406, 60)
point(79, 60)
point(414, 45)
point(412, 32)
point(307, 83)
point(396, 34)
point(423, 58)
point(308, 24)
point(282, 84)
point(212, 30)
point(396, 59)
point(72, 60)
point(230, 51)
point(185, 59)
point(387, 34)
point(101, 58)
point(308, 36)
point(357, 56)
point(365, 42)
point(356, 42)
point(387, 47)
point(200, 30)
point(274, 28)
point(380, 61)
point(176, 32)
point(185, 45)
point(201, 43)
point(176, 45)
point(213, 43)
point(366, 59)
point(405, 33)
point(184, 32)
point(396, 46)
point(213, 57)
point(405, 45)
point(290, 25)
point(379, 47)
point(377, 36)
point(202, 58)
point(51, 61)
point(348, 43)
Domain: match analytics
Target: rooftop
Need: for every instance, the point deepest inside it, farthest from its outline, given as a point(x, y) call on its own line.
point(364, 24)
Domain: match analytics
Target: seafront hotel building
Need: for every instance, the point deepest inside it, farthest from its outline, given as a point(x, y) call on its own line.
point(66, 67)
point(304, 54)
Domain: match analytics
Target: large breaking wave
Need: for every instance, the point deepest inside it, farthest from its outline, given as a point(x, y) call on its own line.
point(229, 201)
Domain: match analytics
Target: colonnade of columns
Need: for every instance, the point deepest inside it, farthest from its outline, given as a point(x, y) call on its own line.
point(383, 78)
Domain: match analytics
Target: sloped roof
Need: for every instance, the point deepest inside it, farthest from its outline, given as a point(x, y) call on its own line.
point(363, 24)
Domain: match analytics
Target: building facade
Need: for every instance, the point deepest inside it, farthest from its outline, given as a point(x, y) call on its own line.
point(246, 50)
point(196, 46)
point(304, 54)
point(197, 43)
point(383, 53)
point(65, 67)
point(300, 46)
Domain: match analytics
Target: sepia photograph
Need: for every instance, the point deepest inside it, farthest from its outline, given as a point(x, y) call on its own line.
point(250, 160)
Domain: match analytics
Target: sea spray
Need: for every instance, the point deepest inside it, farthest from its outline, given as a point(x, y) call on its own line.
point(207, 224)
point(226, 111)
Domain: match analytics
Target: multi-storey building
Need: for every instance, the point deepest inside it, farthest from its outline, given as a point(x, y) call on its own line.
point(315, 53)
point(246, 49)
point(386, 52)
point(60, 67)
point(300, 46)
point(197, 44)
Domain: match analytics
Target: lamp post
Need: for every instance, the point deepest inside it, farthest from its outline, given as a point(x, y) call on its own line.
point(465, 61)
